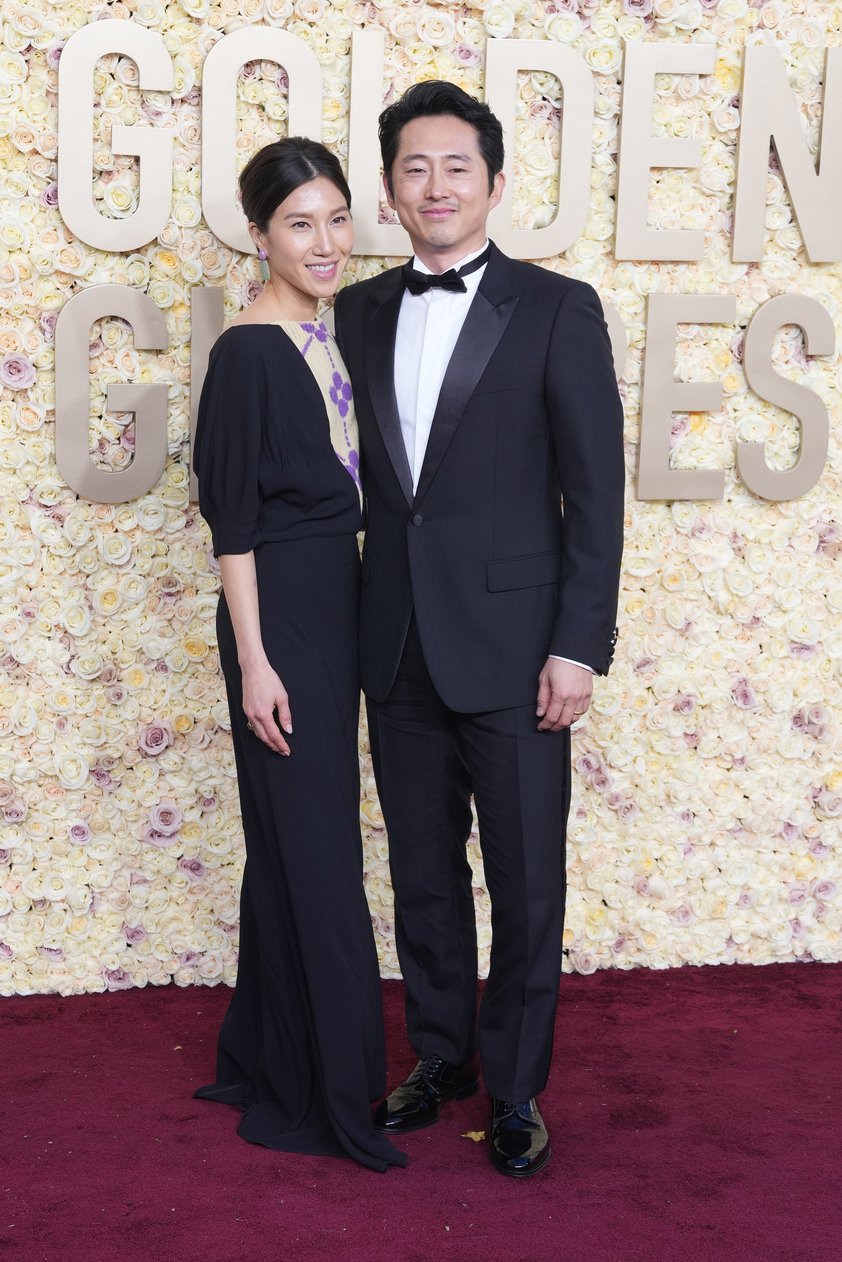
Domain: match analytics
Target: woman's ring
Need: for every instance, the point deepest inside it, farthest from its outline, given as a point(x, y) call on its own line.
point(249, 726)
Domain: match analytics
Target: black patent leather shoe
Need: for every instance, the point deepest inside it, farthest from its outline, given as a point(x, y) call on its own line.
point(518, 1143)
point(417, 1102)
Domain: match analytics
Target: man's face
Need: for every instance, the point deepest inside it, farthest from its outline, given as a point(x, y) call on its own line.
point(439, 189)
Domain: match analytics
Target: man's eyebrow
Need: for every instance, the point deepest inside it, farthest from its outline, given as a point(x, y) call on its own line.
point(415, 157)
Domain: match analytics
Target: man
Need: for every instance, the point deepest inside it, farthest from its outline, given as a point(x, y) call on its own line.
point(484, 400)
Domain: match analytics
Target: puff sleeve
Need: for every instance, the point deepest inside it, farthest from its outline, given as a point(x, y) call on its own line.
point(227, 448)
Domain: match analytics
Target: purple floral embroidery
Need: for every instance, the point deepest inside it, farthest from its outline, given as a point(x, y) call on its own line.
point(319, 331)
point(340, 393)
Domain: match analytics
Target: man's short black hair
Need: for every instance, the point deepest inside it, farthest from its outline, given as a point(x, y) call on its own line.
point(433, 99)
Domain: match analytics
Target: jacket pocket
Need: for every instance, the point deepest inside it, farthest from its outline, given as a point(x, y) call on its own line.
point(529, 571)
point(497, 388)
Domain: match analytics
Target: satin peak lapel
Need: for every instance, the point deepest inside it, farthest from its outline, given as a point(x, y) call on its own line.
point(379, 340)
point(484, 325)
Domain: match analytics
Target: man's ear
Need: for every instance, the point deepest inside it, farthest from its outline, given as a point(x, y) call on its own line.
point(496, 190)
point(388, 190)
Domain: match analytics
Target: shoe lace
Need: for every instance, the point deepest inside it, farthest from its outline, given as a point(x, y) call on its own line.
point(431, 1065)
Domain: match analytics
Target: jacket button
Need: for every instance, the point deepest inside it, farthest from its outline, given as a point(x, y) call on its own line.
point(417, 520)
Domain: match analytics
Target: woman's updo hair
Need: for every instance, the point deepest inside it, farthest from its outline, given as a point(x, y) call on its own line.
point(279, 169)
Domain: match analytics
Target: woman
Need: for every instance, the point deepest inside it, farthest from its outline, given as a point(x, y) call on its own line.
point(301, 1047)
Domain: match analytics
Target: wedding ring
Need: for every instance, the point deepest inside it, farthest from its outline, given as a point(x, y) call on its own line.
point(249, 726)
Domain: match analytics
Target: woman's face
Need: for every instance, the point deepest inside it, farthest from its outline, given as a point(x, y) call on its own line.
point(308, 240)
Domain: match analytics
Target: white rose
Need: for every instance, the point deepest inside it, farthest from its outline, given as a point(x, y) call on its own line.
point(115, 548)
point(499, 20)
point(71, 769)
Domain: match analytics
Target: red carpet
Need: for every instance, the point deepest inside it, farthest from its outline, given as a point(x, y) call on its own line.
point(696, 1115)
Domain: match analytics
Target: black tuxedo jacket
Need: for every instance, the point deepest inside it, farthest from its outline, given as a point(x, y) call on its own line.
point(528, 419)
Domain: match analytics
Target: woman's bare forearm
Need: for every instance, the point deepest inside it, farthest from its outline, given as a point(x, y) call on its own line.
point(239, 582)
point(264, 695)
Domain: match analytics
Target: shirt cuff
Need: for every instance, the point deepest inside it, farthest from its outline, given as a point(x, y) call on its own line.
point(584, 665)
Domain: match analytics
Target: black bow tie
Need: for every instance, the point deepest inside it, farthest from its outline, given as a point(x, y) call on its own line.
point(420, 282)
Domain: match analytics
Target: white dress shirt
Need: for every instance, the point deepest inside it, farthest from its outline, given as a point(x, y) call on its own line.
point(429, 325)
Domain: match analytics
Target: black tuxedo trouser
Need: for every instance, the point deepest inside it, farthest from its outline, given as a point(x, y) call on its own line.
point(428, 760)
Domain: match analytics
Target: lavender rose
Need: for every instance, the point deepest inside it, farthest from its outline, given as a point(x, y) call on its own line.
point(155, 738)
point(194, 868)
point(166, 818)
point(824, 888)
point(152, 837)
point(16, 372)
point(117, 979)
point(7, 792)
point(743, 695)
point(48, 325)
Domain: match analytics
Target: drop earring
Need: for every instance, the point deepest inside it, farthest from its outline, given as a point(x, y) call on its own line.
point(264, 266)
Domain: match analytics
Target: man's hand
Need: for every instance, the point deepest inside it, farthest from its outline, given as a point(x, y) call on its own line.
point(564, 694)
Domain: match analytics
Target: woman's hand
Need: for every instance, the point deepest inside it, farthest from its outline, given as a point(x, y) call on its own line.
point(263, 694)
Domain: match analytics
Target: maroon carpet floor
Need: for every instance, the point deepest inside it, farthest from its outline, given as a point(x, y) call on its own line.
point(696, 1115)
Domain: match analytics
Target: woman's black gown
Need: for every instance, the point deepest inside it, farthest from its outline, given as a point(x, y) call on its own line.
point(301, 1047)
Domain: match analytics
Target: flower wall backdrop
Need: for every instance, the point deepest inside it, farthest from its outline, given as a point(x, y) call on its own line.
point(708, 797)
